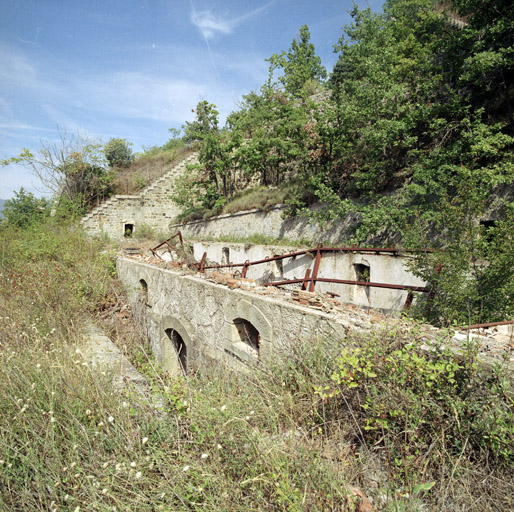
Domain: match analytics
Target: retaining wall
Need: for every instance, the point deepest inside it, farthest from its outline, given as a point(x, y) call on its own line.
point(206, 316)
point(270, 223)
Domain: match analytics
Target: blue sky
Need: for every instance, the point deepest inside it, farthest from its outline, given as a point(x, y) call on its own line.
point(133, 69)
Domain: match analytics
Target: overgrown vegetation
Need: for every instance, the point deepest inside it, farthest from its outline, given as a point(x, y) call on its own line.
point(80, 172)
point(414, 133)
point(329, 424)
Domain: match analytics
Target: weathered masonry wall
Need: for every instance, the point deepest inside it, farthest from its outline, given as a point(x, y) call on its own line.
point(207, 322)
point(378, 268)
point(152, 207)
point(192, 322)
point(270, 223)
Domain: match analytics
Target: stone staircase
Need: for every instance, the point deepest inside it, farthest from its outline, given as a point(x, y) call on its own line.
point(148, 206)
point(166, 178)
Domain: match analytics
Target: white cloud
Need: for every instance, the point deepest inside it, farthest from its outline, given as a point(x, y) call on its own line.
point(211, 24)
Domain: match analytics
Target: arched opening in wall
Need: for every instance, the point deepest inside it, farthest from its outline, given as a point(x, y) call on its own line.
point(246, 337)
point(180, 348)
point(143, 291)
point(486, 227)
point(128, 230)
point(360, 295)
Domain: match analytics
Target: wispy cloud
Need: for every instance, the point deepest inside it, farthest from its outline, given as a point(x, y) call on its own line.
point(211, 23)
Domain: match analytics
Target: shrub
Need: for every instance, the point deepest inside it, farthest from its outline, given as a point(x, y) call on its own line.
point(25, 209)
point(118, 153)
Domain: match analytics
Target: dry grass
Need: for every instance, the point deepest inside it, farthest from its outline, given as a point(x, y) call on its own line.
point(147, 168)
point(267, 440)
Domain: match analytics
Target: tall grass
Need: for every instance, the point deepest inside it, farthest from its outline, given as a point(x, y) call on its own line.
point(290, 435)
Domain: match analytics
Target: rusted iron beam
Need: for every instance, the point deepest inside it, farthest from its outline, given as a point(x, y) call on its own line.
point(375, 249)
point(489, 324)
point(358, 283)
point(156, 254)
point(179, 234)
point(245, 268)
point(202, 263)
point(320, 249)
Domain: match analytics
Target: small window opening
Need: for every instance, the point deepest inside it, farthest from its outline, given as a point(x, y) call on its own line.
point(362, 272)
point(180, 347)
point(247, 334)
point(486, 228)
point(225, 256)
point(128, 230)
point(488, 223)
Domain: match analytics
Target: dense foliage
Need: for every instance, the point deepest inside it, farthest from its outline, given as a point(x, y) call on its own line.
point(319, 427)
point(414, 132)
point(118, 152)
point(25, 209)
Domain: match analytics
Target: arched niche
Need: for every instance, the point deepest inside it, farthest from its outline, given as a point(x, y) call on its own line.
point(245, 337)
point(143, 291)
point(250, 335)
point(176, 352)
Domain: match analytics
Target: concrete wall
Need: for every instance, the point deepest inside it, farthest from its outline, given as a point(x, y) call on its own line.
point(271, 224)
point(152, 207)
point(383, 268)
point(203, 314)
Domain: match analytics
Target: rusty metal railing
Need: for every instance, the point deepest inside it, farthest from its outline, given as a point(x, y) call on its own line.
point(311, 276)
point(168, 244)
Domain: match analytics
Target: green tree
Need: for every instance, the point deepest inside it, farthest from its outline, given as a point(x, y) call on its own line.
point(301, 66)
point(25, 209)
point(118, 153)
point(205, 123)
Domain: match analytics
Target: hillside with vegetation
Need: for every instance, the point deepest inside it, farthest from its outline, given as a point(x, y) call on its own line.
point(414, 133)
point(413, 130)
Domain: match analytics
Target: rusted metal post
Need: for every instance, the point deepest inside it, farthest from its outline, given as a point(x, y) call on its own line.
point(408, 301)
point(245, 268)
point(315, 270)
point(306, 279)
point(202, 262)
point(156, 255)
